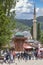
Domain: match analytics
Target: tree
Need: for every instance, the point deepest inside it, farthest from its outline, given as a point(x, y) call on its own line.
point(41, 38)
point(7, 5)
point(5, 21)
point(4, 29)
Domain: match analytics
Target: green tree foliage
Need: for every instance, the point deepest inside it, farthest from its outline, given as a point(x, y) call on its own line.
point(6, 24)
point(21, 26)
point(41, 38)
point(4, 29)
point(7, 5)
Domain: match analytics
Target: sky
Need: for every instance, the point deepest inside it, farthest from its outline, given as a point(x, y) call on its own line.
point(25, 8)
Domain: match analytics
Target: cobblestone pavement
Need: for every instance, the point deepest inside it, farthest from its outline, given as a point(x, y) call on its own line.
point(28, 62)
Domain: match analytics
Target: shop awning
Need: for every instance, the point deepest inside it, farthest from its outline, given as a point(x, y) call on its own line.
point(26, 46)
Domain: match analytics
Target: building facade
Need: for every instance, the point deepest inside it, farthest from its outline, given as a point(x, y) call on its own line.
point(19, 40)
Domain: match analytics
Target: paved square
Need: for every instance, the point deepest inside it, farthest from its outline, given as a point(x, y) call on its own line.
point(28, 62)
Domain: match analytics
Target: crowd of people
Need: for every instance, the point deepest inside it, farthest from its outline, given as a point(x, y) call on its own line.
point(10, 55)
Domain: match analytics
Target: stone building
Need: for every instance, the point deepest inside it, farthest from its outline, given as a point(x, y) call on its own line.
point(19, 40)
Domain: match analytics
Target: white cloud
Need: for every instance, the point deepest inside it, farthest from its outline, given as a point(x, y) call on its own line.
point(20, 3)
point(37, 9)
point(23, 5)
point(29, 4)
point(41, 10)
point(24, 9)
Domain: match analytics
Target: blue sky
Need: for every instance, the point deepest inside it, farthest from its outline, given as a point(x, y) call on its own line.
point(39, 3)
point(24, 9)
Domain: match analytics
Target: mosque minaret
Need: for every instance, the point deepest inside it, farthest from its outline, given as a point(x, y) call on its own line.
point(34, 24)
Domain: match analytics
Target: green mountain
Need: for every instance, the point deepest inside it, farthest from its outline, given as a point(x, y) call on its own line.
point(21, 26)
point(28, 23)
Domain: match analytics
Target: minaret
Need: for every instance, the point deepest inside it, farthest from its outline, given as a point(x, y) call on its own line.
point(34, 24)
